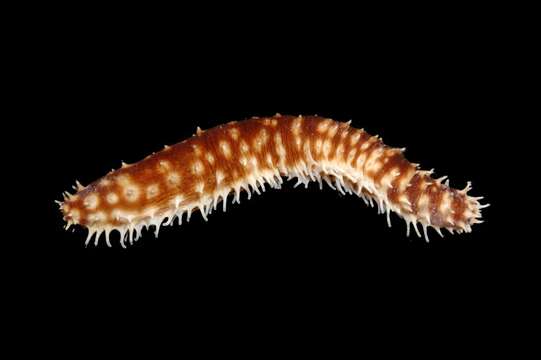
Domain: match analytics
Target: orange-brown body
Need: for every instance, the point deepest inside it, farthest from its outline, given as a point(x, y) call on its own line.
point(201, 171)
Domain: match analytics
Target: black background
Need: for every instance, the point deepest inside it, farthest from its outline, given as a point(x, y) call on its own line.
point(109, 91)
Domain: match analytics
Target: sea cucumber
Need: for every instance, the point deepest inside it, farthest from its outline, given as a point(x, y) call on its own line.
point(202, 171)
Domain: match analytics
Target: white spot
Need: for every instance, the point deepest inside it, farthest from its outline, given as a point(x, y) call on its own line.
point(173, 178)
point(360, 160)
point(105, 182)
point(131, 193)
point(405, 202)
point(340, 151)
point(298, 142)
point(177, 201)
point(112, 198)
point(323, 126)
point(198, 168)
point(351, 155)
point(445, 203)
point(219, 177)
point(307, 149)
point(200, 187)
point(244, 147)
point(261, 140)
point(116, 214)
point(210, 158)
point(373, 162)
point(355, 138)
point(123, 180)
point(243, 161)
point(319, 145)
point(269, 160)
point(387, 179)
point(197, 150)
point(367, 144)
point(404, 180)
point(423, 201)
point(280, 149)
point(278, 138)
point(226, 149)
point(270, 122)
point(97, 217)
point(375, 166)
point(296, 125)
point(234, 133)
point(152, 191)
point(91, 201)
point(121, 216)
point(326, 147)
point(333, 130)
point(163, 166)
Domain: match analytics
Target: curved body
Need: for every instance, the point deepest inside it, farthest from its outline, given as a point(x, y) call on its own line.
point(202, 171)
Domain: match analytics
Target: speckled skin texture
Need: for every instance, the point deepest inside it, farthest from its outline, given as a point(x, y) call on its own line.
point(203, 170)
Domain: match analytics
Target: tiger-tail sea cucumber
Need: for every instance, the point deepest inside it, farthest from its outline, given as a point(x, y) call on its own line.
point(204, 170)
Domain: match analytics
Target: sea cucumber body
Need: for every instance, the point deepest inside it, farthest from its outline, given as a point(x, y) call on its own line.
point(202, 171)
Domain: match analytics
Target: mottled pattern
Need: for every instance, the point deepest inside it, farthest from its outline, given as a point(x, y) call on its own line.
point(205, 169)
